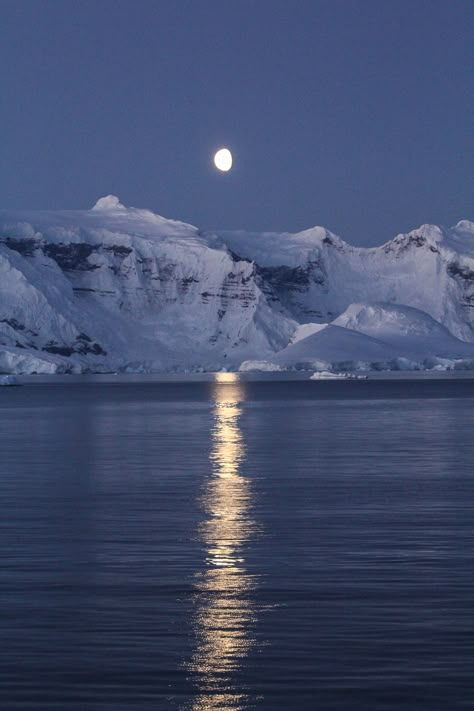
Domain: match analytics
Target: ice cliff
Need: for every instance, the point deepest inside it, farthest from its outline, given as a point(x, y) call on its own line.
point(116, 288)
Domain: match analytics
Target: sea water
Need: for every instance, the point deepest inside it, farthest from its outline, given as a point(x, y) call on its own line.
point(223, 543)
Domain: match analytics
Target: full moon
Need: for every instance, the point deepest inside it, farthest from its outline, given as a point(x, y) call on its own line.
point(223, 160)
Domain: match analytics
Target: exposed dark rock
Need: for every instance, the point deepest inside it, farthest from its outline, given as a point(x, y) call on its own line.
point(118, 250)
point(58, 350)
point(401, 244)
point(186, 282)
point(416, 240)
point(85, 348)
point(284, 278)
point(73, 257)
point(26, 247)
point(93, 291)
point(82, 345)
point(16, 325)
point(456, 270)
point(98, 350)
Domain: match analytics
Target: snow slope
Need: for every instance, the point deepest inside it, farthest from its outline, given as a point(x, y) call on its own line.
point(403, 327)
point(116, 288)
point(377, 336)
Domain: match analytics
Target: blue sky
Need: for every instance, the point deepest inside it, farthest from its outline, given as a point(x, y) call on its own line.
point(352, 114)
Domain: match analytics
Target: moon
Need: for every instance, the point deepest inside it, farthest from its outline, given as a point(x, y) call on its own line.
point(223, 160)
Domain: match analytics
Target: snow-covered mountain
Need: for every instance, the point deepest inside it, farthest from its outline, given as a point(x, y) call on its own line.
point(116, 288)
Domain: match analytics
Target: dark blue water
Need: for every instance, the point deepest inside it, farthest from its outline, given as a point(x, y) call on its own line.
point(237, 545)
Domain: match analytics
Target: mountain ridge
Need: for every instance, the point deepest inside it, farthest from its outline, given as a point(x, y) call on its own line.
point(117, 288)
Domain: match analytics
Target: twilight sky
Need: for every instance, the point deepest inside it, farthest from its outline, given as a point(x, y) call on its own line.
point(351, 114)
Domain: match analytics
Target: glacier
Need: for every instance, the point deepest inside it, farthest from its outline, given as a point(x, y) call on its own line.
point(122, 289)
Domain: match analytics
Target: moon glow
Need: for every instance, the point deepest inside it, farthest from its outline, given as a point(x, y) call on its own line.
point(223, 160)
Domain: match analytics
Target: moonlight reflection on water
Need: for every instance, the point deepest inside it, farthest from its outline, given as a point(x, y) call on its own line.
point(225, 611)
point(267, 545)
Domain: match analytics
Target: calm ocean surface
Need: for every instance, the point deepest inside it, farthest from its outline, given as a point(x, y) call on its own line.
point(206, 546)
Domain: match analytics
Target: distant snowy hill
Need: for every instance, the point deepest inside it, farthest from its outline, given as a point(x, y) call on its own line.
point(116, 288)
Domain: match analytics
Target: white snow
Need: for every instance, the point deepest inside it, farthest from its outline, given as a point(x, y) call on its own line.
point(6, 380)
point(118, 288)
point(259, 365)
point(405, 328)
point(305, 330)
point(328, 375)
point(341, 347)
point(109, 202)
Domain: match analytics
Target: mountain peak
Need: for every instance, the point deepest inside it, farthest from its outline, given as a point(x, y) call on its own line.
point(465, 225)
point(109, 202)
